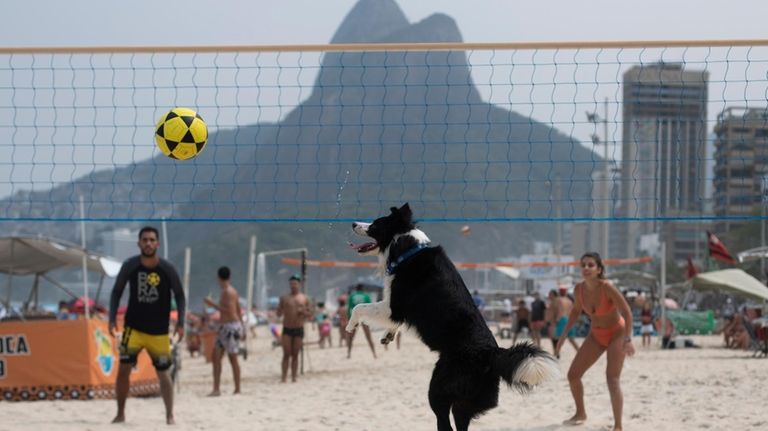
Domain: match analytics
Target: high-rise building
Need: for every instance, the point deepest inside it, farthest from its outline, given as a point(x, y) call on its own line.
point(741, 164)
point(663, 167)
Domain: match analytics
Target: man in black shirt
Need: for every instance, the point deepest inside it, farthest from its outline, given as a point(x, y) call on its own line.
point(151, 281)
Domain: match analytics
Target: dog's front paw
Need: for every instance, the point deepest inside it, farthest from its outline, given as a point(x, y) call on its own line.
point(388, 337)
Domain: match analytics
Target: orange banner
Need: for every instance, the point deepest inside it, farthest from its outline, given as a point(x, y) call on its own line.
point(467, 265)
point(65, 359)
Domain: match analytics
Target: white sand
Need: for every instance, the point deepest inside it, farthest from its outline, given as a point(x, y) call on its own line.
point(709, 388)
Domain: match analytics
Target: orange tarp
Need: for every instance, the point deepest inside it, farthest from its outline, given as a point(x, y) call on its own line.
point(65, 359)
point(208, 340)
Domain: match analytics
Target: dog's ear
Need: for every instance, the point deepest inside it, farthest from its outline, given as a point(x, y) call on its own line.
point(394, 210)
point(405, 212)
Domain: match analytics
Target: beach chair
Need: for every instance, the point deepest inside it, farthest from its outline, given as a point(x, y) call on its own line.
point(761, 334)
point(763, 337)
point(757, 346)
point(274, 329)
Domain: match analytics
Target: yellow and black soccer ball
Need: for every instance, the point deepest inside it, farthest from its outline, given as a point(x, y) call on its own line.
point(181, 134)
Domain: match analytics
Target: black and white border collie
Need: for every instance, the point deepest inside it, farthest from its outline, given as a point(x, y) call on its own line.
point(423, 289)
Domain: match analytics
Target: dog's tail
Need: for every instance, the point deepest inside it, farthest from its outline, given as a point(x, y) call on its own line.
point(524, 366)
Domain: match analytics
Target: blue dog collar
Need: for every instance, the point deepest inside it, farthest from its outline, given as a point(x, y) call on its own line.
point(405, 256)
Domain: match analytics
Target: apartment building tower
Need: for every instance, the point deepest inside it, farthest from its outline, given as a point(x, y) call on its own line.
point(741, 165)
point(663, 167)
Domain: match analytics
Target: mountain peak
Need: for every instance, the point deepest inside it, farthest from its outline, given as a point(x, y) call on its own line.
point(369, 21)
point(435, 28)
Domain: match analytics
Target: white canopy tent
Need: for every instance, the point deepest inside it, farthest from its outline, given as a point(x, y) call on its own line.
point(731, 280)
point(509, 272)
point(38, 255)
point(31, 255)
point(635, 280)
point(753, 254)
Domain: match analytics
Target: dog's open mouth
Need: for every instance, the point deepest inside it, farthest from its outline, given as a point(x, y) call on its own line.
point(365, 247)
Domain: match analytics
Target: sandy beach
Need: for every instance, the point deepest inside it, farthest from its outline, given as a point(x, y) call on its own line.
point(707, 388)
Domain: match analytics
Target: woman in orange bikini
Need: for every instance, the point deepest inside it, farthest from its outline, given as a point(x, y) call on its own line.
point(611, 331)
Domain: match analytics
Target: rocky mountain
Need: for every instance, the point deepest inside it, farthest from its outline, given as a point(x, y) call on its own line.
point(379, 129)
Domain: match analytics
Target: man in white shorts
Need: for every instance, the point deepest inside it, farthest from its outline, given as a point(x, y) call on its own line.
point(231, 331)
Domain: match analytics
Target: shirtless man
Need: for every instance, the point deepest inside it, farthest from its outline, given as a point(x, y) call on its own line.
point(343, 320)
point(231, 331)
point(294, 309)
point(562, 309)
point(523, 319)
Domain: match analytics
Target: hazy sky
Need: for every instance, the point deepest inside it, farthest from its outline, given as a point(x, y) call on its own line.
point(241, 22)
point(151, 22)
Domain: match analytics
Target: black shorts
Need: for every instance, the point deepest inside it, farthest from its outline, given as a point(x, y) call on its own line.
point(294, 332)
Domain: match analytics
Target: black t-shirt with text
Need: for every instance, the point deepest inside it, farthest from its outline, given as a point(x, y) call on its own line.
point(149, 297)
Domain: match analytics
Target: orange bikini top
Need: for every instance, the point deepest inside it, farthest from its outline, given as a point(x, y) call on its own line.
point(605, 307)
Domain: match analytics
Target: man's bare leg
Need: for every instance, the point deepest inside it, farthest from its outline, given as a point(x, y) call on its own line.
point(218, 353)
point(536, 337)
point(367, 332)
point(235, 371)
point(286, 343)
point(296, 344)
point(350, 338)
point(166, 389)
point(122, 386)
point(573, 343)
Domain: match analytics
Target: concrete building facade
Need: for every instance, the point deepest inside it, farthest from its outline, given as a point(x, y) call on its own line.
point(663, 167)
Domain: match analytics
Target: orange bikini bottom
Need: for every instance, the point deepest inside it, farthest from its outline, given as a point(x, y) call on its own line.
point(604, 336)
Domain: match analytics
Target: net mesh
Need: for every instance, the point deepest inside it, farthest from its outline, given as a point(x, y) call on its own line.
point(518, 133)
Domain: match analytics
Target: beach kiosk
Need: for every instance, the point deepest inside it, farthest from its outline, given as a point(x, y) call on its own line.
point(48, 359)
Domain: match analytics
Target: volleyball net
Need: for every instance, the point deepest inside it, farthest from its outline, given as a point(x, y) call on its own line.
point(464, 132)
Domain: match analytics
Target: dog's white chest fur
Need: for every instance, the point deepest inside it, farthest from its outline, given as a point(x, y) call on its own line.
point(379, 314)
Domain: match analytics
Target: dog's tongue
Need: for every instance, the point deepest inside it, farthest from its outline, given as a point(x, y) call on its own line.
point(362, 248)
